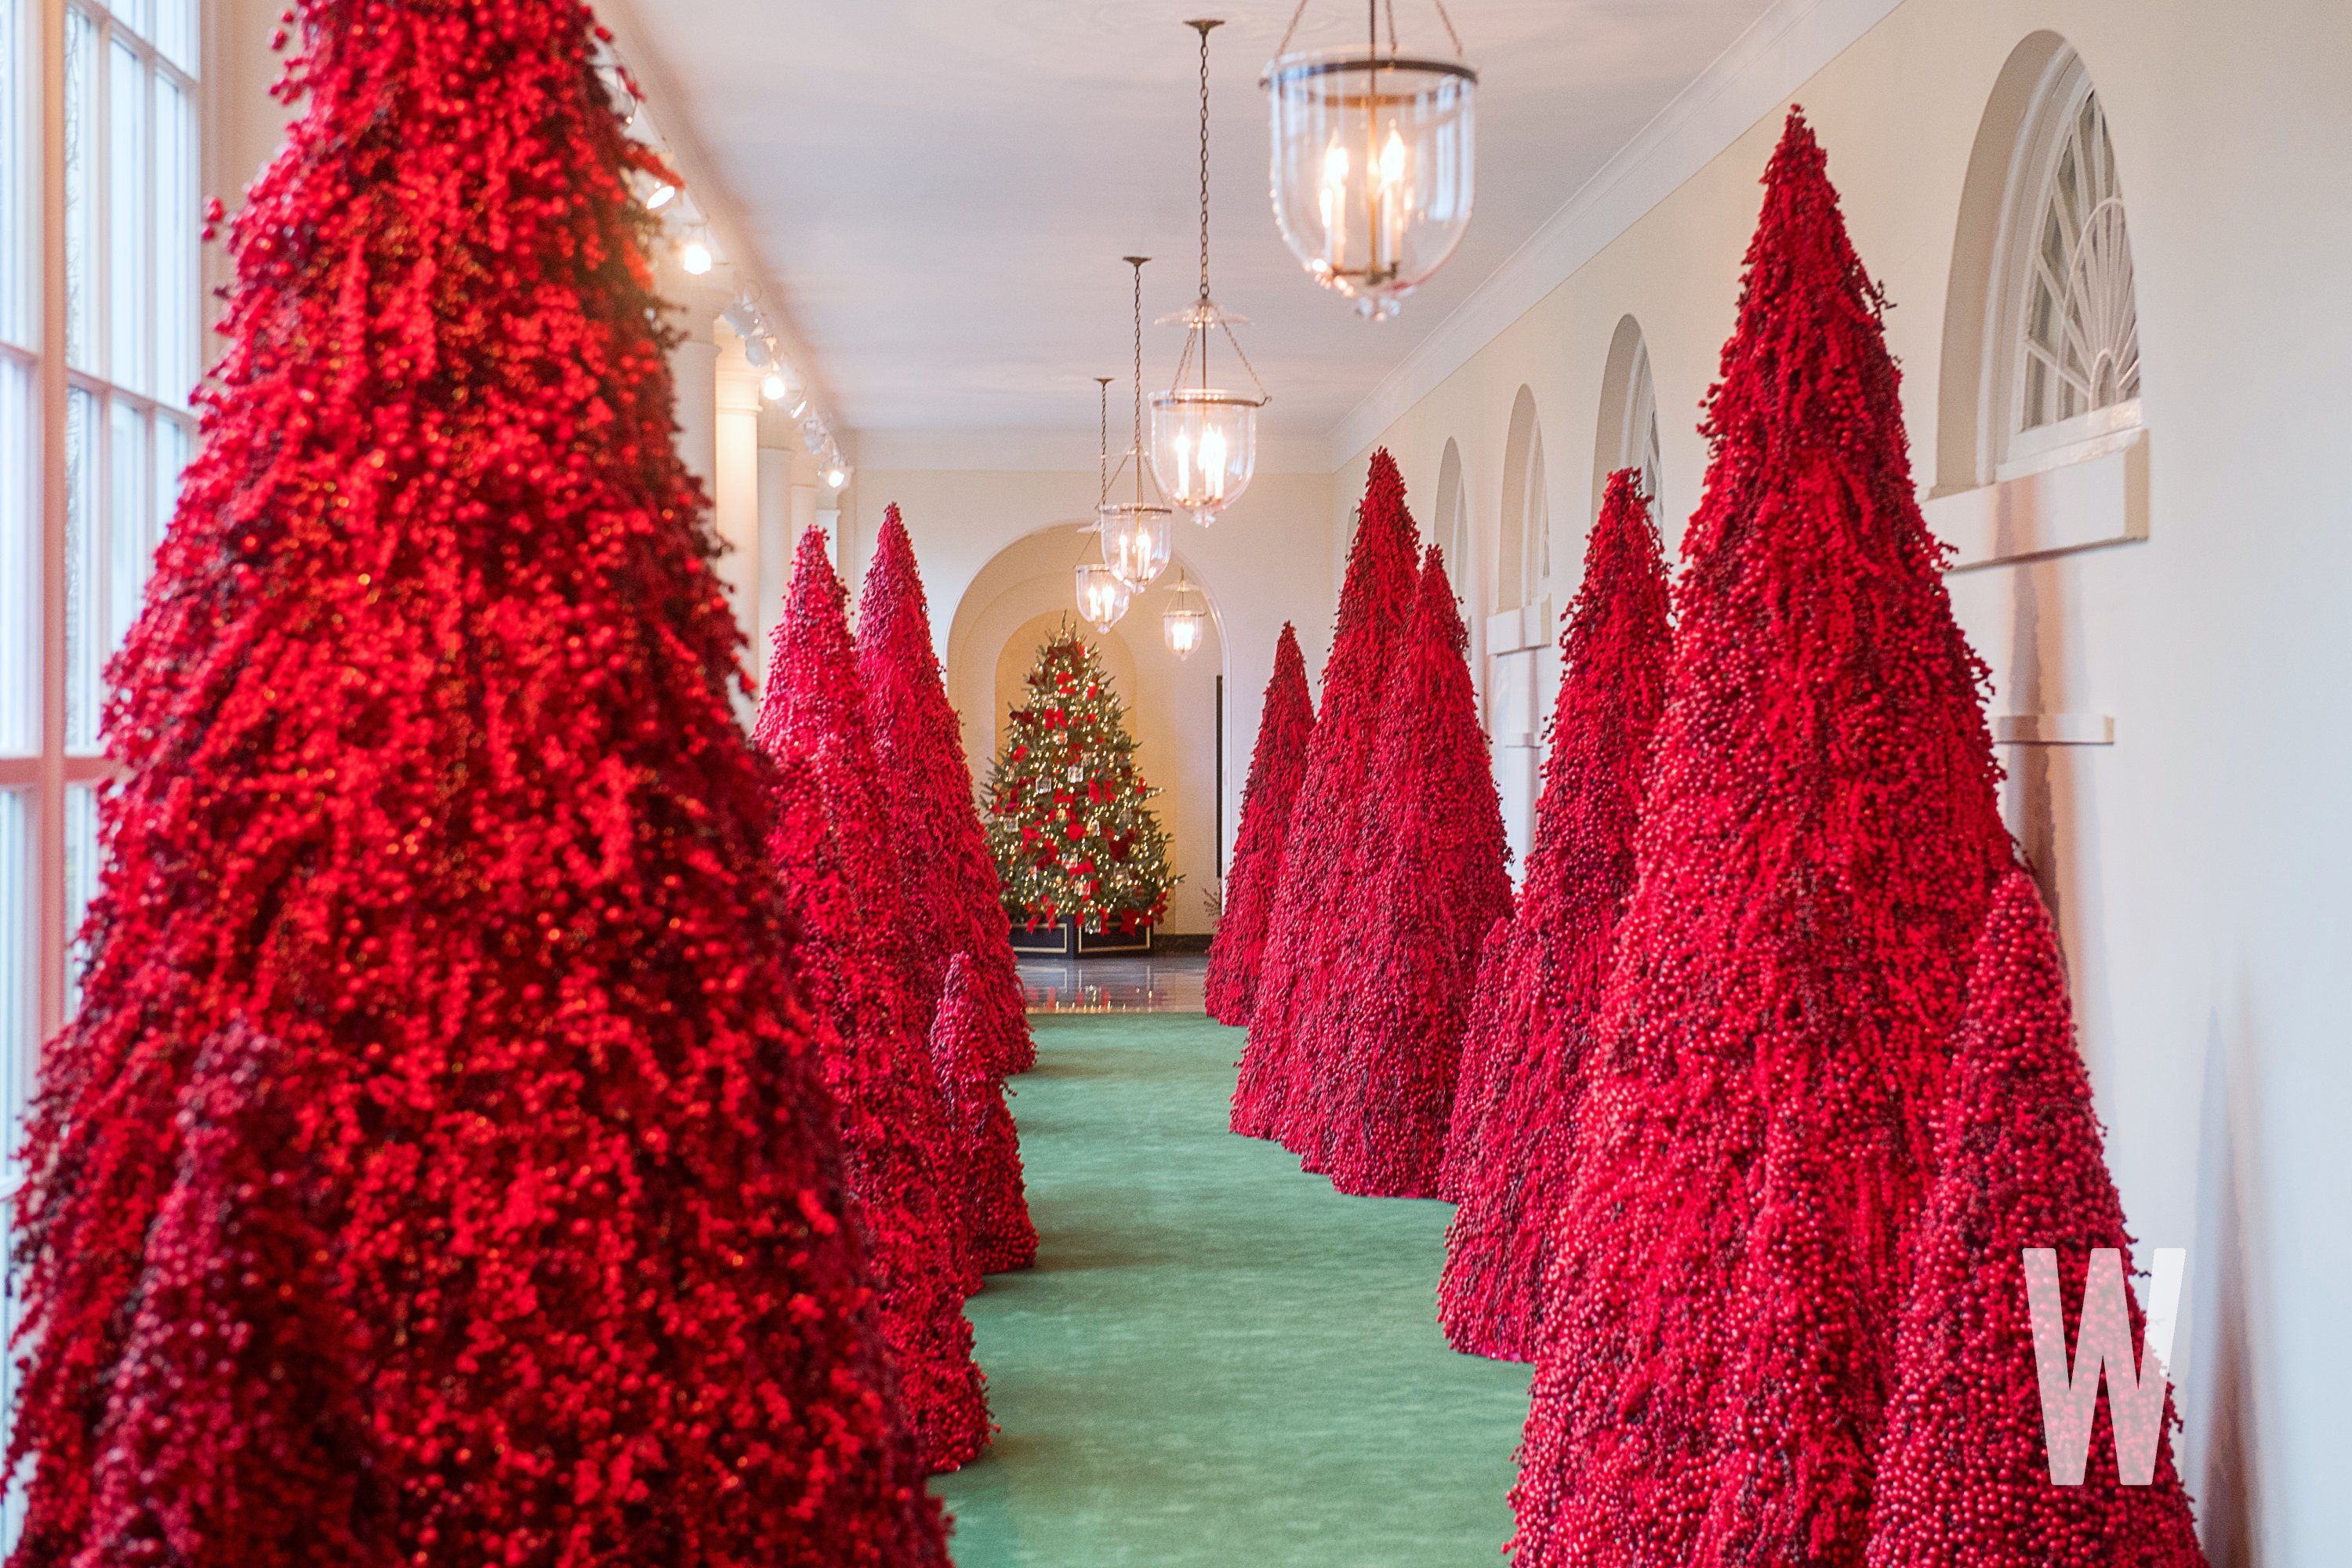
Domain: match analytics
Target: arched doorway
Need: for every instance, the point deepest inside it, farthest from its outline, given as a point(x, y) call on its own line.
point(1015, 601)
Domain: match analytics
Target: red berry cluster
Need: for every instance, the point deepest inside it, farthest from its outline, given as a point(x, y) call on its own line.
point(437, 1171)
point(903, 1146)
point(1963, 1477)
point(1817, 849)
point(1323, 893)
point(996, 1204)
point(1285, 723)
point(1523, 1061)
point(1434, 860)
point(946, 872)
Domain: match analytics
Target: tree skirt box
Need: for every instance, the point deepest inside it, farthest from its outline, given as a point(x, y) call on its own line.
point(1063, 938)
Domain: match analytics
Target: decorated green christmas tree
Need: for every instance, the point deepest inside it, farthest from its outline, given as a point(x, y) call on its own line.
point(1067, 818)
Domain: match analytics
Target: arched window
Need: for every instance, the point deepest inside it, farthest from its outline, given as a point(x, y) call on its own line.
point(1455, 532)
point(1628, 437)
point(2062, 355)
point(1523, 559)
point(1451, 532)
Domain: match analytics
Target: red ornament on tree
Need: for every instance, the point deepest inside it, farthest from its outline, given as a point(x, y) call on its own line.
point(1320, 895)
point(1964, 1473)
point(1815, 855)
point(1439, 881)
point(1285, 724)
point(946, 872)
point(1522, 1064)
point(434, 1173)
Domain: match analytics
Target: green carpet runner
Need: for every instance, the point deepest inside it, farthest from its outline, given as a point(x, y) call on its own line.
point(1218, 1360)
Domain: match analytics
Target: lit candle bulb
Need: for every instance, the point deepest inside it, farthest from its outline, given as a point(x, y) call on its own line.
point(1335, 206)
point(1213, 462)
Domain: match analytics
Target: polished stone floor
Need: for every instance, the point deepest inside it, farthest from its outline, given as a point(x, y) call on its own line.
point(1155, 983)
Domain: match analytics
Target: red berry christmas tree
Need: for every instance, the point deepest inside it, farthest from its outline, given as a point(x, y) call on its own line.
point(946, 874)
point(891, 1123)
point(1815, 853)
point(1963, 1473)
point(433, 1172)
point(1523, 1070)
point(1321, 900)
point(1072, 835)
point(1002, 1237)
point(1498, 974)
point(1439, 883)
point(1285, 725)
point(812, 713)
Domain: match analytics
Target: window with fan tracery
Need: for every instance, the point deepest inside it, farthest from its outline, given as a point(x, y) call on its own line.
point(2073, 319)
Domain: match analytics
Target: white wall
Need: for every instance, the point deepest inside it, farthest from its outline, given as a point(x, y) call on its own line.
point(2201, 859)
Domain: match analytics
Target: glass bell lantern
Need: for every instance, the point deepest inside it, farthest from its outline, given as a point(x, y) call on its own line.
point(1374, 157)
point(1204, 447)
point(1184, 624)
point(1136, 541)
point(1204, 437)
point(1102, 596)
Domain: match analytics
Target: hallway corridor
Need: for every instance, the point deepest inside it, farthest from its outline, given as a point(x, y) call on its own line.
point(1218, 1360)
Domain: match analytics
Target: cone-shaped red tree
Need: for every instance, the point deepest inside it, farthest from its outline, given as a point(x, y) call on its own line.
point(890, 1112)
point(812, 711)
point(946, 873)
point(1319, 901)
point(1441, 884)
point(1002, 1236)
point(1523, 1071)
point(1814, 855)
point(433, 1172)
point(1498, 972)
point(1285, 725)
point(1963, 1474)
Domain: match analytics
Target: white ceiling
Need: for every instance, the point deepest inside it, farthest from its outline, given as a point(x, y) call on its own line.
point(943, 188)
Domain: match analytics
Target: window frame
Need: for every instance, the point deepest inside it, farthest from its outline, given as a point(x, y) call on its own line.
point(45, 778)
point(50, 777)
point(2015, 449)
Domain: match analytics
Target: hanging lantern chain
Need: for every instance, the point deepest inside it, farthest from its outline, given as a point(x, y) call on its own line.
point(1195, 355)
point(1204, 25)
point(1102, 441)
point(1135, 449)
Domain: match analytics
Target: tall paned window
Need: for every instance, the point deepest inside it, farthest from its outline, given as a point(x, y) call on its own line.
point(2068, 331)
point(1522, 664)
point(99, 343)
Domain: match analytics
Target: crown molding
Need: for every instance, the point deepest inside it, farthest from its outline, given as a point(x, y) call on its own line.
point(1779, 53)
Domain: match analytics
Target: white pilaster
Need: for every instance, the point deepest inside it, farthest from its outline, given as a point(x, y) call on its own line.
point(776, 537)
point(735, 486)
